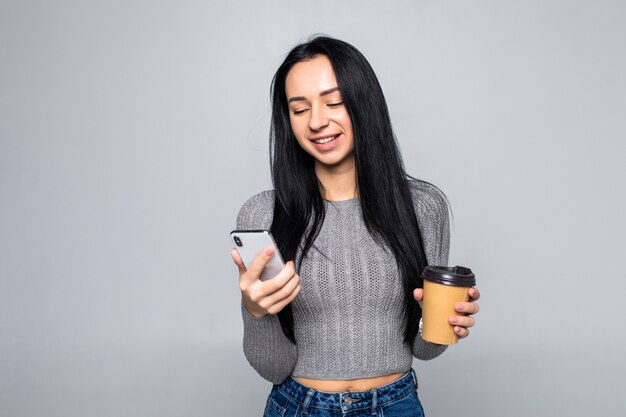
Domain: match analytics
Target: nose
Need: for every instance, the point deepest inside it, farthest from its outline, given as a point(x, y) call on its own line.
point(319, 119)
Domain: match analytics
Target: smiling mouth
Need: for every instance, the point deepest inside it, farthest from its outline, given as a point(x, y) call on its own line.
point(326, 139)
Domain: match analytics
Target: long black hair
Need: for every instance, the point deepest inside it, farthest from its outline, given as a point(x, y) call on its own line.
point(382, 183)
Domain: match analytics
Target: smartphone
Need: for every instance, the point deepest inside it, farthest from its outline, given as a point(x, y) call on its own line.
point(250, 243)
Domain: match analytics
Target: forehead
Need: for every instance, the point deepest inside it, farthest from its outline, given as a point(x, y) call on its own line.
point(308, 78)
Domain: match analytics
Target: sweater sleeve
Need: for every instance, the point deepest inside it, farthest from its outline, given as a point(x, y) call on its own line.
point(432, 214)
point(265, 345)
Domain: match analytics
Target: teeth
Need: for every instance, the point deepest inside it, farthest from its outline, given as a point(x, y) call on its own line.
point(325, 140)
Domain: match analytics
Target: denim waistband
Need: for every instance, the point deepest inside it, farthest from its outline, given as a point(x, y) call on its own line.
point(348, 400)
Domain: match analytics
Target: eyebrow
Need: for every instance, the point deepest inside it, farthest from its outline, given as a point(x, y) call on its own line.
point(323, 93)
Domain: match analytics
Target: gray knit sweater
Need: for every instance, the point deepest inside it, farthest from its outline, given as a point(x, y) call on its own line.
point(348, 316)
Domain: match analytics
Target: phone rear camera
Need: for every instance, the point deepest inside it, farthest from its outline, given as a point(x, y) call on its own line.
point(238, 241)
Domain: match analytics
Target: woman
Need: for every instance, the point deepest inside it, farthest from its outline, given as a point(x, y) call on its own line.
point(337, 329)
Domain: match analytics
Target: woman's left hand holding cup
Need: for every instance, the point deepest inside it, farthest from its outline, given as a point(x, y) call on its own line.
point(464, 320)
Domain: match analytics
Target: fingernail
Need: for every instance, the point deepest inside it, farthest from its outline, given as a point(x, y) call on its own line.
point(453, 320)
point(269, 252)
point(458, 306)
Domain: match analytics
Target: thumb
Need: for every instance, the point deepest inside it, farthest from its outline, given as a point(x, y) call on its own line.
point(418, 294)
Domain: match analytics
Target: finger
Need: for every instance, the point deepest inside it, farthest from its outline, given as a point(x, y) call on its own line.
point(280, 305)
point(462, 321)
point(255, 270)
point(474, 293)
point(462, 332)
point(279, 280)
point(282, 294)
point(467, 307)
point(237, 260)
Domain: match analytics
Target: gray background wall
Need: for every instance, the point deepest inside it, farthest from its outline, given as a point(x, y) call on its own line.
point(132, 131)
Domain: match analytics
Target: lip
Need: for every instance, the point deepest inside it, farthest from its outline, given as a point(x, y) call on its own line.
point(323, 147)
point(314, 138)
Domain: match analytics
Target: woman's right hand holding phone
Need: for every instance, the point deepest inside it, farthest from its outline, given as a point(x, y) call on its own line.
point(260, 298)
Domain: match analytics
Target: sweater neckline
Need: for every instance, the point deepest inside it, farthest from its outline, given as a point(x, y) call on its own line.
point(342, 203)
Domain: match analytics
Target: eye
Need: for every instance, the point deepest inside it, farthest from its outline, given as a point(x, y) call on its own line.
point(333, 105)
point(299, 111)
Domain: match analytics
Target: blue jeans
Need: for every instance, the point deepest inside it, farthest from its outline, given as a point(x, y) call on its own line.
point(398, 399)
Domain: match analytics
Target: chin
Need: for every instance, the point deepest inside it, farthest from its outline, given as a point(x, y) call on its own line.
point(330, 161)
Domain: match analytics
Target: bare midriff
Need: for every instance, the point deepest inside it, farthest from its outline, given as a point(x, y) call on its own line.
point(363, 384)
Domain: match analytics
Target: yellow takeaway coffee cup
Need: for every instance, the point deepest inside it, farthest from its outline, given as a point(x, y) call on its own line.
point(444, 286)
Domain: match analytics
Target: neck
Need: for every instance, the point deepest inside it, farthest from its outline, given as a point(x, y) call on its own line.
point(338, 181)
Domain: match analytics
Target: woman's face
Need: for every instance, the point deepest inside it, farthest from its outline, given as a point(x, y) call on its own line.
point(319, 119)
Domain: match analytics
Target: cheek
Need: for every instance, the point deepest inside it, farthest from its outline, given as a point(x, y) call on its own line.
point(298, 131)
point(346, 124)
point(343, 119)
